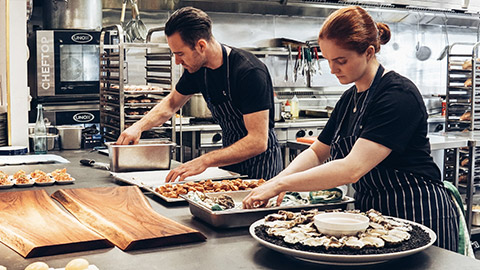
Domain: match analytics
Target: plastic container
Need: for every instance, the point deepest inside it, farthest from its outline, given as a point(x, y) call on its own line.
point(70, 137)
point(295, 110)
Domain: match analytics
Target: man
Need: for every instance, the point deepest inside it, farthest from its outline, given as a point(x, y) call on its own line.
point(238, 90)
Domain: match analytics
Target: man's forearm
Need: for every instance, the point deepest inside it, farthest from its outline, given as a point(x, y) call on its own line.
point(241, 150)
point(157, 115)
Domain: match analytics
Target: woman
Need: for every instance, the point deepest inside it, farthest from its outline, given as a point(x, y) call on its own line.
point(375, 137)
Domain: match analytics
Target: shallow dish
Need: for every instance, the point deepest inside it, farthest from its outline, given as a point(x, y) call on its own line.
point(338, 259)
point(64, 182)
point(29, 184)
point(6, 186)
point(25, 185)
point(49, 183)
point(338, 224)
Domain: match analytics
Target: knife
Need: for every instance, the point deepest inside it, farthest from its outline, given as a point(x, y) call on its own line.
point(93, 163)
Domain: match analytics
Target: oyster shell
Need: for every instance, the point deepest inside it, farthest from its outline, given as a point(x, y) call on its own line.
point(287, 214)
point(293, 238)
point(391, 239)
point(403, 235)
point(354, 242)
point(334, 243)
point(376, 232)
point(280, 223)
point(371, 241)
point(278, 231)
point(316, 241)
point(274, 216)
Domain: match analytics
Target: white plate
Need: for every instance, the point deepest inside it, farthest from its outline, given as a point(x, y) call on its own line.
point(6, 186)
point(64, 182)
point(22, 185)
point(45, 183)
point(344, 259)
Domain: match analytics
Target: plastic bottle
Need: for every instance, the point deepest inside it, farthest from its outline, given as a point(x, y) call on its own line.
point(295, 109)
point(40, 133)
point(287, 108)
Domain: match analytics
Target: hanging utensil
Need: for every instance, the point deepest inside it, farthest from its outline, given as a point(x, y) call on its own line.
point(122, 20)
point(447, 44)
point(286, 65)
point(313, 68)
point(319, 67)
point(395, 44)
point(128, 28)
point(297, 63)
point(140, 30)
point(422, 52)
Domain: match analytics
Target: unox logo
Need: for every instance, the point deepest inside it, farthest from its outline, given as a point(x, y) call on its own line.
point(83, 117)
point(82, 38)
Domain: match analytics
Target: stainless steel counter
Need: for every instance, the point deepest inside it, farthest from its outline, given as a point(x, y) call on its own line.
point(223, 249)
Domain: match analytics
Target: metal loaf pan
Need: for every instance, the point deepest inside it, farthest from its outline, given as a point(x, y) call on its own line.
point(234, 218)
point(146, 155)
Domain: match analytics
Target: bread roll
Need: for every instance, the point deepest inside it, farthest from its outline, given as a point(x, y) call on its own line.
point(77, 264)
point(467, 64)
point(37, 266)
point(468, 82)
point(467, 116)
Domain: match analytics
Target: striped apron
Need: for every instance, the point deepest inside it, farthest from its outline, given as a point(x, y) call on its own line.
point(398, 193)
point(265, 165)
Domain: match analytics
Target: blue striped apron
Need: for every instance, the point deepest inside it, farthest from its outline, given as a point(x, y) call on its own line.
point(265, 165)
point(398, 193)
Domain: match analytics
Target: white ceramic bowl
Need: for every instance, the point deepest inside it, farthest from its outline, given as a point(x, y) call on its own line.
point(339, 223)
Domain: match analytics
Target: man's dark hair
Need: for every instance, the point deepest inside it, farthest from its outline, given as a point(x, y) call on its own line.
point(191, 23)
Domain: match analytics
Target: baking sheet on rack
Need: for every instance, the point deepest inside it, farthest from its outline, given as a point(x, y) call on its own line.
point(149, 180)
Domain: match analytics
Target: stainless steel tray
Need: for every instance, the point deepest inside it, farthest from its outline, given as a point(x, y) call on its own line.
point(146, 155)
point(149, 180)
point(234, 218)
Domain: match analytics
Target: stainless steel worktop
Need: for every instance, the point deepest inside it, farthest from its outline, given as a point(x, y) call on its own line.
point(223, 249)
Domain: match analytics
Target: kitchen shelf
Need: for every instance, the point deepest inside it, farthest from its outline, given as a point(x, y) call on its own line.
point(122, 105)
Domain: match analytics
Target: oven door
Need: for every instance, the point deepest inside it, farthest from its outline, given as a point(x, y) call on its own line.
point(78, 69)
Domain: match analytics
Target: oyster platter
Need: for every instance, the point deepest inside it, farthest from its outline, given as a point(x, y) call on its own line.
point(383, 238)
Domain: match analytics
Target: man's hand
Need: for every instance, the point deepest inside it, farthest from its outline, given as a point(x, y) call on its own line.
point(130, 135)
point(193, 167)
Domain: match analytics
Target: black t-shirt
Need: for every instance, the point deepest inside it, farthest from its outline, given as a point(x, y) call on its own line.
point(396, 118)
point(251, 88)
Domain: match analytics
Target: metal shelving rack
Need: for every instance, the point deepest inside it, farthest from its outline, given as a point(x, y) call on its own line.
point(463, 99)
point(121, 106)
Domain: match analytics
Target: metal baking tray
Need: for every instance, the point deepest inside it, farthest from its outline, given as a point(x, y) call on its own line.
point(234, 218)
point(146, 155)
point(149, 180)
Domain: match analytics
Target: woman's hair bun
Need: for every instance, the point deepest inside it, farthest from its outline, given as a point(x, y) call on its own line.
point(384, 33)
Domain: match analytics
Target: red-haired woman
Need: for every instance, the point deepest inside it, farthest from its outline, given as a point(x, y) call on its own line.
point(376, 136)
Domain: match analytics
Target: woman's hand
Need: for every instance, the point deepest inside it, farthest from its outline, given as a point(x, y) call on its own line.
point(259, 196)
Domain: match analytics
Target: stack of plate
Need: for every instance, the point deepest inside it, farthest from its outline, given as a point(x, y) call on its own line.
point(3, 129)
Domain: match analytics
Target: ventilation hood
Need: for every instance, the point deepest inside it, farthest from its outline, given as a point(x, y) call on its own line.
point(459, 13)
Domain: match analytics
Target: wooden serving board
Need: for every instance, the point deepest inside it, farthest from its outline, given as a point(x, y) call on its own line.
point(124, 216)
point(32, 224)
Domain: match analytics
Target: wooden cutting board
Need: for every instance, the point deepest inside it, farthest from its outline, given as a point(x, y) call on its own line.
point(32, 224)
point(124, 216)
